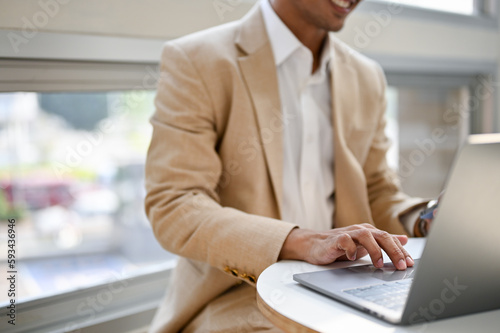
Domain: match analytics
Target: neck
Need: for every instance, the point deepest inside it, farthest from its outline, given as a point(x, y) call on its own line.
point(309, 35)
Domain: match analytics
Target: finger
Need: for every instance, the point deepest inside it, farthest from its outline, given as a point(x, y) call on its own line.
point(345, 243)
point(403, 239)
point(361, 226)
point(365, 238)
point(361, 252)
point(392, 246)
point(408, 258)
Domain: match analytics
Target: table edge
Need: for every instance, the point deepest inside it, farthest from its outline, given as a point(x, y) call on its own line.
point(279, 320)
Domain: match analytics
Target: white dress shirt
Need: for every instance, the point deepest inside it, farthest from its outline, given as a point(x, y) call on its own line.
point(308, 183)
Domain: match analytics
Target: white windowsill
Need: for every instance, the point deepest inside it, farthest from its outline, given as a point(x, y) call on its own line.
point(103, 304)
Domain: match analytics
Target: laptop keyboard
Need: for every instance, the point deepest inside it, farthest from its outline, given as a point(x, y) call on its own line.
point(391, 295)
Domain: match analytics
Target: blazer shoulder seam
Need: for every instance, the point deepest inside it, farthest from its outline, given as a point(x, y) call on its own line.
point(198, 73)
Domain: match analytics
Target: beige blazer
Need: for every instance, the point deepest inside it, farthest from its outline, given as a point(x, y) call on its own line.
point(214, 167)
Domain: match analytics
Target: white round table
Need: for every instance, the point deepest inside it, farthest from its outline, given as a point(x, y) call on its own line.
point(295, 308)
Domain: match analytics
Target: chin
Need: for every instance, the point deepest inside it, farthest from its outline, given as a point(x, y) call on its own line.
point(336, 27)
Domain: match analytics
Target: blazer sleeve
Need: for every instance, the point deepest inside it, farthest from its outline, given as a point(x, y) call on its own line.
point(387, 201)
point(182, 173)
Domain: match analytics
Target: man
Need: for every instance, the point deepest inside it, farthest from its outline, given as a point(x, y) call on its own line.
point(268, 144)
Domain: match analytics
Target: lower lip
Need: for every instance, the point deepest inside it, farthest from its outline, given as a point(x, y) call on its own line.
point(340, 9)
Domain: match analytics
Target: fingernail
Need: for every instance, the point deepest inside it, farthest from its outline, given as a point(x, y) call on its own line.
point(409, 261)
point(380, 262)
point(401, 264)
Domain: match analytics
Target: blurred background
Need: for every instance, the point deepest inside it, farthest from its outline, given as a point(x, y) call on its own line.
point(77, 83)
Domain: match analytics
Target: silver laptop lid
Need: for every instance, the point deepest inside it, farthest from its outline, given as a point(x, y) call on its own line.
point(459, 271)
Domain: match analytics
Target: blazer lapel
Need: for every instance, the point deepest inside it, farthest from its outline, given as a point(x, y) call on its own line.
point(350, 201)
point(344, 85)
point(259, 73)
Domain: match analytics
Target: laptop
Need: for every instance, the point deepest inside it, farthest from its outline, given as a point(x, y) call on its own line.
point(459, 270)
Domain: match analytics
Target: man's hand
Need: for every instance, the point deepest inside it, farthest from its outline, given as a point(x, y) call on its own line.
point(348, 243)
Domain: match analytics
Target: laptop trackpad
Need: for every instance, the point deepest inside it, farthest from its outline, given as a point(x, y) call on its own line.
point(387, 273)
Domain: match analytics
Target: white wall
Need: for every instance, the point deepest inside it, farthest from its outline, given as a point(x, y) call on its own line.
point(127, 18)
point(403, 36)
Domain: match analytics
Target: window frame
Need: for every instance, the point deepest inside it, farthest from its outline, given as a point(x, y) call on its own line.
point(135, 297)
point(46, 45)
point(408, 71)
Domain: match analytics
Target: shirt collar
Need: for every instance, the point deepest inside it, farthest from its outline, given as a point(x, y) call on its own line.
point(325, 58)
point(283, 41)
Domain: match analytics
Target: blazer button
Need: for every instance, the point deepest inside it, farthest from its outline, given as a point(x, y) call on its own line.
point(251, 278)
point(227, 269)
point(234, 272)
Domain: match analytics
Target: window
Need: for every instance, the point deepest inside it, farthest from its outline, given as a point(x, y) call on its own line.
point(71, 175)
point(73, 137)
point(466, 7)
point(453, 6)
point(428, 119)
point(426, 133)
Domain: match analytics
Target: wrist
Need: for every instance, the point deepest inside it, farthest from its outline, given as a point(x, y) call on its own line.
point(418, 229)
point(421, 228)
point(296, 245)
